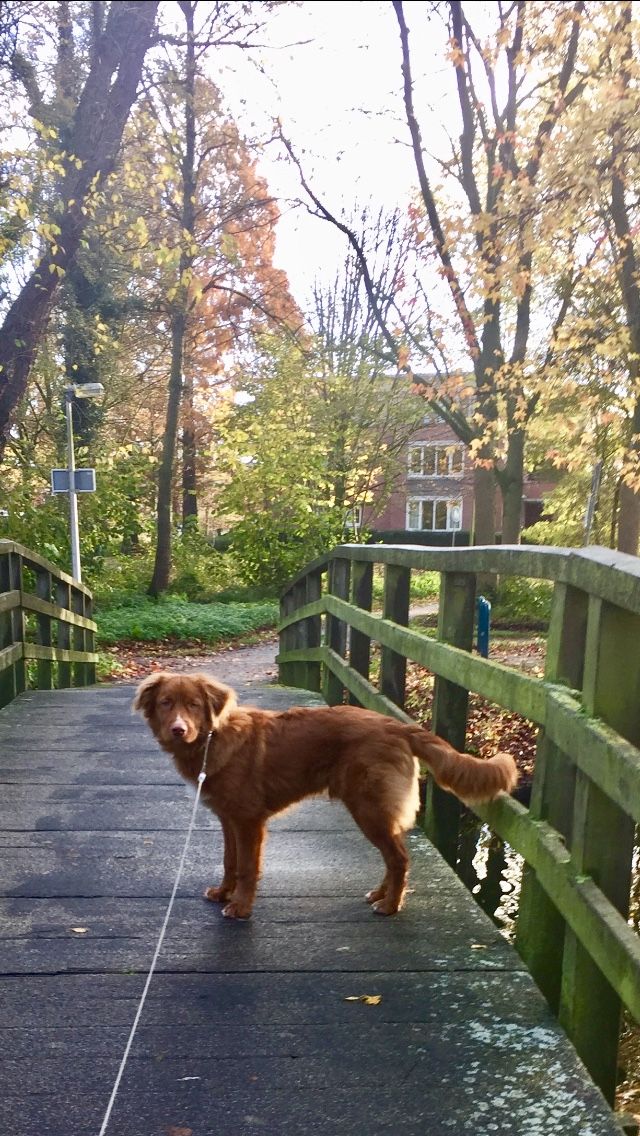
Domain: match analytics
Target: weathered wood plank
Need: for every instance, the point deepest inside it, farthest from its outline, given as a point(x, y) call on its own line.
point(45, 607)
point(450, 708)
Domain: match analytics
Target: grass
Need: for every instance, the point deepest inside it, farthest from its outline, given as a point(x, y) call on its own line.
point(175, 621)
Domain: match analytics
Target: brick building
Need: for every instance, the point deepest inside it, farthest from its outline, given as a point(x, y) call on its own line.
point(434, 492)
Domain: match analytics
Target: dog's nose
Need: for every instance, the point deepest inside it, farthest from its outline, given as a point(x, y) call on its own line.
point(178, 731)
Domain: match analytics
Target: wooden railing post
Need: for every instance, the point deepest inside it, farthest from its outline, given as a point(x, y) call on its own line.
point(84, 673)
point(11, 676)
point(63, 637)
point(450, 707)
point(361, 594)
point(336, 629)
point(602, 837)
point(540, 929)
point(312, 628)
point(395, 606)
point(286, 671)
point(18, 623)
point(43, 629)
point(90, 640)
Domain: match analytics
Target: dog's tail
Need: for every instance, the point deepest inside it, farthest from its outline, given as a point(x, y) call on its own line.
point(472, 779)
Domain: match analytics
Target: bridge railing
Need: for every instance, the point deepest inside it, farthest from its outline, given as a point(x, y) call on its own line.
point(47, 636)
point(577, 835)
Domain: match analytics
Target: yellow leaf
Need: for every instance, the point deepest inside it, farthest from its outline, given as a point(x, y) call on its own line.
point(79, 930)
point(368, 999)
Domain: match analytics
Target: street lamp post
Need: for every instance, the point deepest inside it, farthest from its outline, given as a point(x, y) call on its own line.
point(79, 390)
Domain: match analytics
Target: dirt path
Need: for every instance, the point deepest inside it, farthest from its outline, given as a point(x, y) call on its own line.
point(232, 664)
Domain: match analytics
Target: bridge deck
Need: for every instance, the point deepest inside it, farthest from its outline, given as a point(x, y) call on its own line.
point(249, 1027)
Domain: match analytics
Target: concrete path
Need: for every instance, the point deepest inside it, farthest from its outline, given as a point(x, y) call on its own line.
point(314, 1017)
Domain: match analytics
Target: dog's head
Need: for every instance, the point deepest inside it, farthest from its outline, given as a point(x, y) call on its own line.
point(183, 708)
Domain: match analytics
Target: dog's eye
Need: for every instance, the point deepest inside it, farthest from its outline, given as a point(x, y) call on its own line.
point(195, 705)
point(165, 702)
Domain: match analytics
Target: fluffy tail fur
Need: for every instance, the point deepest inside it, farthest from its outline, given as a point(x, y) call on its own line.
point(472, 779)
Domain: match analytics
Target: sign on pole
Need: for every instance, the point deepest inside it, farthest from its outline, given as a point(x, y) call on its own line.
point(84, 480)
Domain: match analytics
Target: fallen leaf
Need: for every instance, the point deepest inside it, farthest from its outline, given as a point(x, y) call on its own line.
point(368, 999)
point(478, 946)
point(79, 930)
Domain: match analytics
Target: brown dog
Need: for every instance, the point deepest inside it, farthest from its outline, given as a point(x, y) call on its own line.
point(261, 761)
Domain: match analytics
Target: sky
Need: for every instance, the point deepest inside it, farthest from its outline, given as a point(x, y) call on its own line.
point(331, 74)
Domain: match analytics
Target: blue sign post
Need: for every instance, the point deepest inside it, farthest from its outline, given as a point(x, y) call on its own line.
point(484, 623)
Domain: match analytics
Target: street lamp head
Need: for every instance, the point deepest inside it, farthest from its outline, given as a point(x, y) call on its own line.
point(85, 390)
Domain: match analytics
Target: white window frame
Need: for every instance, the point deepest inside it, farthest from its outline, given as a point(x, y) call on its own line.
point(354, 518)
point(451, 451)
point(454, 519)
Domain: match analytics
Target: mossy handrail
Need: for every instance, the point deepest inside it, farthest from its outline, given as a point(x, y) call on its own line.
point(577, 835)
point(45, 617)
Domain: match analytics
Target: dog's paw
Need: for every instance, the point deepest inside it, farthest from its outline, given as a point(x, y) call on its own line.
point(385, 907)
point(216, 894)
point(375, 894)
point(235, 910)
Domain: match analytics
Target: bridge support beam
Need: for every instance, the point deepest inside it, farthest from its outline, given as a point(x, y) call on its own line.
point(450, 708)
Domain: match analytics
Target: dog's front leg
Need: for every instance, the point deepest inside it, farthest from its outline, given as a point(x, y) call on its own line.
point(249, 838)
point(225, 889)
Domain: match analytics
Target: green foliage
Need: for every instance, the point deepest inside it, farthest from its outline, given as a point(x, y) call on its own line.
point(425, 586)
point(200, 574)
point(178, 620)
point(522, 601)
point(37, 521)
point(270, 556)
point(199, 570)
point(567, 507)
point(279, 487)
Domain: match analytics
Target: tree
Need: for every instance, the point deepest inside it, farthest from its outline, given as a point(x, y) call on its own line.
point(627, 262)
point(321, 428)
point(486, 221)
point(87, 154)
point(221, 250)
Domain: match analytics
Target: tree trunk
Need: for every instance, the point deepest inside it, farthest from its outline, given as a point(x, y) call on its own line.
point(93, 141)
point(628, 520)
point(628, 274)
point(484, 510)
point(162, 565)
point(511, 480)
point(189, 457)
point(179, 320)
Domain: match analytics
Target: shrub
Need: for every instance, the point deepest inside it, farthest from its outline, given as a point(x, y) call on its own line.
point(523, 601)
point(178, 620)
point(424, 585)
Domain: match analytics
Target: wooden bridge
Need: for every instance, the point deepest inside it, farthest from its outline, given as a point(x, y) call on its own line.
point(315, 1014)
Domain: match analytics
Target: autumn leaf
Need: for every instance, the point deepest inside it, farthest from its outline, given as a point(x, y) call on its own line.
point(368, 999)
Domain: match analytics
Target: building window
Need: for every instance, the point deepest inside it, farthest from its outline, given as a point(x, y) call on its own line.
point(439, 460)
point(354, 519)
point(532, 512)
point(433, 514)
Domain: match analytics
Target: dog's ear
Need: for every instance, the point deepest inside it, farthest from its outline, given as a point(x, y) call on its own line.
point(147, 692)
point(220, 699)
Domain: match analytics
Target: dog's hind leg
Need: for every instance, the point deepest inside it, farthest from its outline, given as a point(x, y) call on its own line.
point(387, 898)
point(394, 883)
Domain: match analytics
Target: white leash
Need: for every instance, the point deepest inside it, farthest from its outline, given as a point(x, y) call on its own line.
point(201, 779)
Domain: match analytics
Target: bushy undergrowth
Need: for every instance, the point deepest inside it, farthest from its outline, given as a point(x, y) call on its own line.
point(522, 601)
point(179, 620)
point(424, 585)
point(200, 573)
